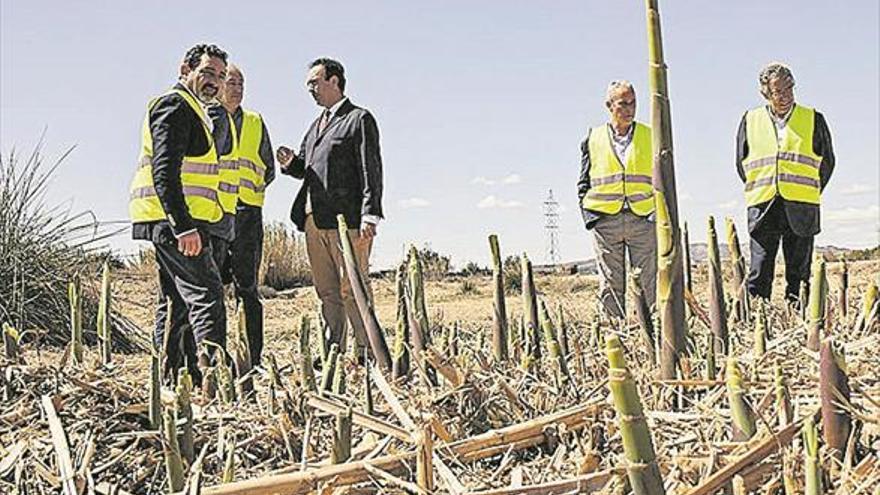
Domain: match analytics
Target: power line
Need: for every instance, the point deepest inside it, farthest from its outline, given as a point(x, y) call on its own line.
point(551, 228)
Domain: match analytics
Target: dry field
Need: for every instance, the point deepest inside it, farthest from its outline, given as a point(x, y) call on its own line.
point(495, 428)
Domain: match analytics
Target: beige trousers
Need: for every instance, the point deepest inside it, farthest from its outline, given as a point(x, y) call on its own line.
point(615, 237)
point(331, 281)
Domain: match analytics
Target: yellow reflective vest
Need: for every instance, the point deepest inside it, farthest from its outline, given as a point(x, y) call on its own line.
point(252, 189)
point(230, 175)
point(611, 181)
point(198, 175)
point(783, 165)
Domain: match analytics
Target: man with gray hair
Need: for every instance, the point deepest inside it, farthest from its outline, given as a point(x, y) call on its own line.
point(617, 198)
point(785, 159)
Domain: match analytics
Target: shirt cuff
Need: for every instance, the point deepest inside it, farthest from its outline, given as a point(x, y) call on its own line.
point(188, 232)
point(373, 219)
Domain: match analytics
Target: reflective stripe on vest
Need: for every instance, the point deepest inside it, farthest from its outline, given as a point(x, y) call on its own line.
point(150, 191)
point(199, 176)
point(788, 167)
point(252, 168)
point(611, 182)
point(230, 176)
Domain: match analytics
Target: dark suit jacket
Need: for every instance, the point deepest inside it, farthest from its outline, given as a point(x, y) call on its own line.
point(341, 170)
point(177, 131)
point(803, 218)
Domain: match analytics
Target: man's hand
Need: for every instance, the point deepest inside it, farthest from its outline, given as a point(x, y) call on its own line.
point(368, 230)
point(190, 244)
point(284, 156)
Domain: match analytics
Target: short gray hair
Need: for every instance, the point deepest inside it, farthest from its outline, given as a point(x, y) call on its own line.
point(618, 85)
point(774, 70)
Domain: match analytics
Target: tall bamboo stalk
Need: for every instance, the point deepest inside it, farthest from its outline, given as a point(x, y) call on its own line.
point(717, 306)
point(670, 274)
point(375, 335)
point(803, 300)
point(229, 463)
point(710, 358)
point(513, 339)
point(563, 331)
point(642, 469)
point(596, 330)
point(368, 388)
point(157, 356)
point(554, 348)
point(184, 410)
point(330, 368)
point(499, 308)
point(688, 276)
point(784, 409)
point(842, 288)
point(738, 263)
point(74, 294)
point(818, 289)
point(305, 355)
point(418, 311)
point(274, 384)
point(835, 396)
point(173, 462)
point(323, 341)
point(339, 375)
point(643, 312)
point(760, 333)
point(342, 437)
point(741, 415)
point(225, 380)
point(155, 407)
point(103, 322)
point(242, 356)
point(530, 309)
point(400, 354)
point(869, 301)
point(812, 466)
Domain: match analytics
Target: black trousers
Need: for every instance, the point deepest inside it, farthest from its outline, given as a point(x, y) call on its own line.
point(197, 309)
point(245, 256)
point(797, 251)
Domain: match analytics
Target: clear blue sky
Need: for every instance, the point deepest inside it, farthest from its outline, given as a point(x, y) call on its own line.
point(481, 105)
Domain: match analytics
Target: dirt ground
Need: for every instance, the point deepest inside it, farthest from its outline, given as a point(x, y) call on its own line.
point(104, 409)
point(463, 300)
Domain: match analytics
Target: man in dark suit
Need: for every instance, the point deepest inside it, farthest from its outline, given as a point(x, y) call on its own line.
point(785, 159)
point(174, 204)
point(341, 169)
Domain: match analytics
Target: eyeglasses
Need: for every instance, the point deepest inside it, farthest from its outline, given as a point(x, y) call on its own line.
point(781, 91)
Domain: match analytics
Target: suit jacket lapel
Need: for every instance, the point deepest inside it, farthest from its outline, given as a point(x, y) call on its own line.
point(335, 118)
point(312, 141)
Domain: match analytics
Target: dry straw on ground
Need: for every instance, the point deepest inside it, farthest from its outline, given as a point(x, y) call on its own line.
point(494, 426)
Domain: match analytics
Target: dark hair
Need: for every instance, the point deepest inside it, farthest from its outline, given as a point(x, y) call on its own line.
point(194, 55)
point(331, 68)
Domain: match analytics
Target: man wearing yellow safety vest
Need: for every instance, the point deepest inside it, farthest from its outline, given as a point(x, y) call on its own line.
point(617, 199)
point(256, 167)
point(226, 141)
point(174, 201)
point(785, 158)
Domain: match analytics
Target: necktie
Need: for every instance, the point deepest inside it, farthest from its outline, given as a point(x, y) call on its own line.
point(325, 119)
